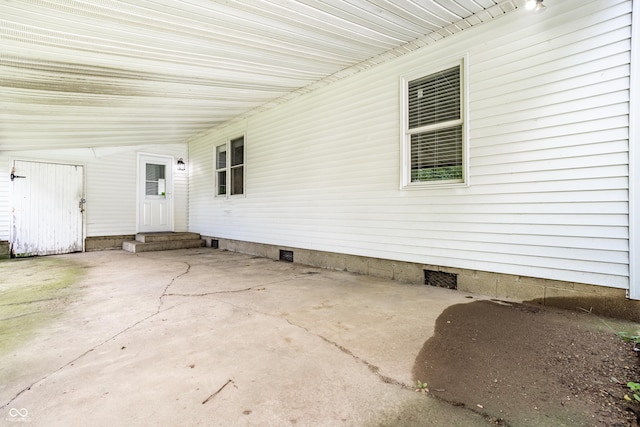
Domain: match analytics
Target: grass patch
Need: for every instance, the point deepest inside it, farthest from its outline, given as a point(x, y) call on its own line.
point(33, 292)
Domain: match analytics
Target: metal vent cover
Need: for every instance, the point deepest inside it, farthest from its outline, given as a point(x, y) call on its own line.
point(440, 279)
point(214, 244)
point(286, 256)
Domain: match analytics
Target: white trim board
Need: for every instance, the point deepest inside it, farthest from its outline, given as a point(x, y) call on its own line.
point(634, 156)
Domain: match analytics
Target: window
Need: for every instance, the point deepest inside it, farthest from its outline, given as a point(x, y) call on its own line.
point(229, 161)
point(155, 184)
point(434, 131)
point(221, 170)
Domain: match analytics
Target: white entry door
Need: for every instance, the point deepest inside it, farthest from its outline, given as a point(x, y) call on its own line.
point(155, 199)
point(47, 208)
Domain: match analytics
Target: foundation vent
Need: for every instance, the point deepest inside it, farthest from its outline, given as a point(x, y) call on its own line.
point(286, 256)
point(440, 279)
point(214, 244)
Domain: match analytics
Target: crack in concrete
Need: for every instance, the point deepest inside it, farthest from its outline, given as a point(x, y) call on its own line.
point(71, 362)
point(166, 288)
point(165, 293)
point(372, 368)
point(253, 288)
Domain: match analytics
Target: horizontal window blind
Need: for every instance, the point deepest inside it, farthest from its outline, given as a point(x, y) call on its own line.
point(437, 155)
point(435, 98)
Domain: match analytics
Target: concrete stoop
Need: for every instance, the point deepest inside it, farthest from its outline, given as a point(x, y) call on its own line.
point(147, 242)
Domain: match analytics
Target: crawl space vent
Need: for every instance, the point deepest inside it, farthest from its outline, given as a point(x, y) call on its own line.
point(214, 243)
point(440, 279)
point(286, 256)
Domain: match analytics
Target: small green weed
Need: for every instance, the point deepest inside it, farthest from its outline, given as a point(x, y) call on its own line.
point(633, 386)
point(422, 387)
point(635, 389)
point(629, 337)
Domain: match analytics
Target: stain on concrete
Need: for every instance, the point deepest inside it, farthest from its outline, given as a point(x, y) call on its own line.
point(32, 293)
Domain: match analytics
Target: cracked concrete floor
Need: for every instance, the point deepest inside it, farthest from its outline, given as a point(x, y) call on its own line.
point(208, 337)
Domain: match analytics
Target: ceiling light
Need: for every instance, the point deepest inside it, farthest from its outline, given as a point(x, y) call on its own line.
point(535, 5)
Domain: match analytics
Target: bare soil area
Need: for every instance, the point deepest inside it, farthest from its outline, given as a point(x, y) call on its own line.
point(528, 365)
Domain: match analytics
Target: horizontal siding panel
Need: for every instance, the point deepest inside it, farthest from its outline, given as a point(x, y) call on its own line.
point(589, 54)
point(552, 165)
point(574, 140)
point(561, 90)
point(549, 104)
point(603, 112)
point(400, 228)
point(548, 165)
point(493, 117)
point(562, 175)
point(558, 132)
point(562, 152)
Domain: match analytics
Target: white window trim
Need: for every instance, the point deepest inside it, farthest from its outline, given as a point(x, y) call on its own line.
point(405, 136)
point(227, 145)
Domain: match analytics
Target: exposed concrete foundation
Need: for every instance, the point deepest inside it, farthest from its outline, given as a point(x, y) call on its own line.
point(105, 243)
point(599, 300)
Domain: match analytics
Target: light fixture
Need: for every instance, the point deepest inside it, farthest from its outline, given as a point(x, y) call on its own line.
point(535, 5)
point(181, 164)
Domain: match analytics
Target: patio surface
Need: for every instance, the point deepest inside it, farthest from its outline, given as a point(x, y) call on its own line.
point(208, 337)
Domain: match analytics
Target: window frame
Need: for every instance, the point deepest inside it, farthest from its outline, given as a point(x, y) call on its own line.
point(229, 167)
point(406, 132)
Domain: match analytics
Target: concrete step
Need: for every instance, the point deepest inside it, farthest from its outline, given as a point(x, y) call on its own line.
point(166, 236)
point(147, 242)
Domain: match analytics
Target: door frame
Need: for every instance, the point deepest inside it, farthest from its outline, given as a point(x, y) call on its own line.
point(170, 161)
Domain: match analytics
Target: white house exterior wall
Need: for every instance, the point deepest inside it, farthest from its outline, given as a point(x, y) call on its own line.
point(110, 186)
point(548, 157)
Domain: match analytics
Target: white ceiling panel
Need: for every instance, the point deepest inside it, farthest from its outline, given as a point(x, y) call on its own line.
point(88, 73)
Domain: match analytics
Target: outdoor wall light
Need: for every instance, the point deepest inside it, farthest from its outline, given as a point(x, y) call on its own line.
point(535, 6)
point(181, 164)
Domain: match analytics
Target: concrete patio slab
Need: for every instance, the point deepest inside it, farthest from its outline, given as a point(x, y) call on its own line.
point(209, 337)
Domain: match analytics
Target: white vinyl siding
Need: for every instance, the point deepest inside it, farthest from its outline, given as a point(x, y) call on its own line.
point(110, 186)
point(548, 157)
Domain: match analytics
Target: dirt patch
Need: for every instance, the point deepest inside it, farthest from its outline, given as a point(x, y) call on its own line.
point(529, 365)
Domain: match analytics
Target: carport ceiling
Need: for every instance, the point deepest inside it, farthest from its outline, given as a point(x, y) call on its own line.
point(88, 73)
